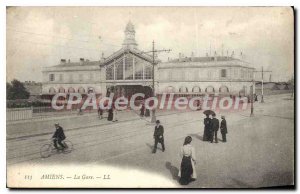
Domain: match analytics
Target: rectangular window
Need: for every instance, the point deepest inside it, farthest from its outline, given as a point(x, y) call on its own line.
point(223, 73)
point(170, 76)
point(60, 77)
point(71, 77)
point(209, 75)
point(80, 77)
point(128, 67)
point(235, 72)
point(51, 77)
point(138, 69)
point(110, 73)
point(148, 72)
point(91, 76)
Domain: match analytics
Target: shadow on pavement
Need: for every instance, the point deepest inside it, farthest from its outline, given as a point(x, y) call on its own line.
point(173, 170)
point(152, 146)
point(196, 136)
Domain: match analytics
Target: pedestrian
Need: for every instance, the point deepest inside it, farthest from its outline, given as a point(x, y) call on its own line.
point(223, 128)
point(147, 113)
point(207, 125)
point(187, 172)
point(110, 114)
point(215, 128)
point(100, 112)
point(255, 98)
point(142, 110)
point(115, 114)
point(158, 136)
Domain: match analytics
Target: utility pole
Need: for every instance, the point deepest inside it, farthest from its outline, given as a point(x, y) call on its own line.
point(262, 84)
point(153, 51)
point(252, 95)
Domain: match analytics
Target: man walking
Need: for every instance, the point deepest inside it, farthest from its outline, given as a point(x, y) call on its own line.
point(158, 136)
point(215, 128)
point(223, 128)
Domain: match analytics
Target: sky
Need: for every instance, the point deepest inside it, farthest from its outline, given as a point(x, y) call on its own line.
point(38, 37)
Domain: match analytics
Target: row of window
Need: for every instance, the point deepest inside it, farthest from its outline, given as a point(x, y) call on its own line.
point(207, 74)
point(80, 90)
point(80, 77)
point(196, 89)
point(129, 68)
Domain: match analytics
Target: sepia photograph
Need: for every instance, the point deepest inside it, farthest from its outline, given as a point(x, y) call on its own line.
point(150, 97)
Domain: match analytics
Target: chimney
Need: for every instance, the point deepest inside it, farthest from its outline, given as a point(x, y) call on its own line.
point(232, 54)
point(69, 61)
point(180, 56)
point(62, 61)
point(81, 60)
point(215, 56)
point(192, 56)
point(102, 56)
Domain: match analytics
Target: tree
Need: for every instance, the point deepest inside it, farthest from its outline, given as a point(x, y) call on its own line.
point(16, 90)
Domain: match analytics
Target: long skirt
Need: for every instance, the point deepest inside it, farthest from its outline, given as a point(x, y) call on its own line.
point(187, 171)
point(110, 116)
point(206, 134)
point(115, 116)
point(147, 113)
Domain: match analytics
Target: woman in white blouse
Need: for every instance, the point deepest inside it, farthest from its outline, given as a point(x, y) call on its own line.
point(187, 172)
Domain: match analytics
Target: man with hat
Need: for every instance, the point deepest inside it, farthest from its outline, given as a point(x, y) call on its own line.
point(158, 136)
point(58, 136)
point(223, 128)
point(215, 128)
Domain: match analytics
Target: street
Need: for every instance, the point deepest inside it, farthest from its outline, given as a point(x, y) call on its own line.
point(259, 151)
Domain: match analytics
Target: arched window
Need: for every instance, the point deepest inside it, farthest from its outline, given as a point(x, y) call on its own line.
point(81, 90)
point(61, 90)
point(71, 90)
point(223, 89)
point(91, 90)
point(170, 89)
point(196, 89)
point(52, 90)
point(183, 89)
point(210, 89)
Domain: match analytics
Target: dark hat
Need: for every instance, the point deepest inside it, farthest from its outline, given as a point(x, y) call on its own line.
point(213, 114)
point(157, 121)
point(222, 117)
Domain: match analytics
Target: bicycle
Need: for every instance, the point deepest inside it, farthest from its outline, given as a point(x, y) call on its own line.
point(49, 149)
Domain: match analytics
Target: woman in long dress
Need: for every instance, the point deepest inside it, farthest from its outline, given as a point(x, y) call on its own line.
point(207, 125)
point(110, 114)
point(187, 172)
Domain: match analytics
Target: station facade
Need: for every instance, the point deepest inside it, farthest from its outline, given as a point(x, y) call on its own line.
point(129, 71)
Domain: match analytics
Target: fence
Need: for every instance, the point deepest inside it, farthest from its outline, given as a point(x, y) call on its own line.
point(14, 114)
point(17, 114)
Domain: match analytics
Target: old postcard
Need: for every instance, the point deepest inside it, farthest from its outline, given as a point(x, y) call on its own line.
point(150, 97)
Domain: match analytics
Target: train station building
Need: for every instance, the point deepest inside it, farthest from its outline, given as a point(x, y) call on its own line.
point(130, 71)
